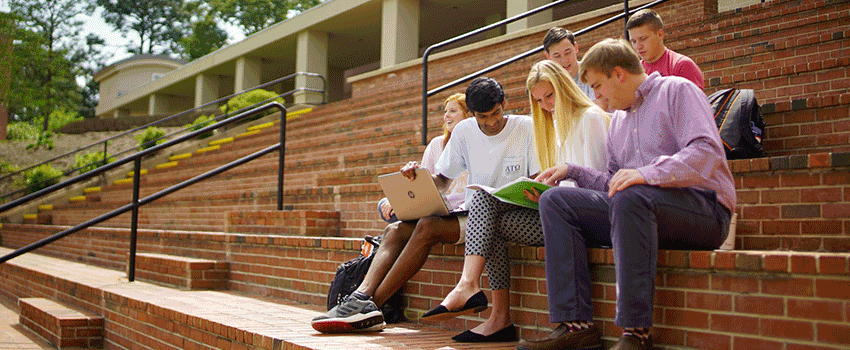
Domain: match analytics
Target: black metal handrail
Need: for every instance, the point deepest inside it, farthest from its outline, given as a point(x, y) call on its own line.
point(158, 122)
point(137, 202)
point(428, 93)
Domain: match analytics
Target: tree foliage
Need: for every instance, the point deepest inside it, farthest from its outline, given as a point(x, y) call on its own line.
point(42, 74)
point(159, 23)
point(255, 15)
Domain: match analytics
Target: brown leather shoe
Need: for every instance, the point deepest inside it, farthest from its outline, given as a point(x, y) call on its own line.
point(562, 338)
point(630, 342)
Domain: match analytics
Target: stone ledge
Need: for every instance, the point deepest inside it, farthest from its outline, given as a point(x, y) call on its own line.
point(61, 325)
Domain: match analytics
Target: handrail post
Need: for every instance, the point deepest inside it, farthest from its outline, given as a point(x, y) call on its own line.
point(281, 155)
point(625, 19)
point(134, 221)
point(425, 97)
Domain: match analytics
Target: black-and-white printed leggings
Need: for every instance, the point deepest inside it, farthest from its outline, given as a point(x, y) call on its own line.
point(490, 225)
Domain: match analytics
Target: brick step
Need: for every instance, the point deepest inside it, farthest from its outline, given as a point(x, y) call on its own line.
point(704, 300)
point(808, 125)
point(798, 202)
point(170, 319)
point(317, 223)
point(63, 326)
point(181, 272)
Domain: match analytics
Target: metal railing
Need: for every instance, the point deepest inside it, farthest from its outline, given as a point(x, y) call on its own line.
point(105, 142)
point(136, 201)
point(428, 93)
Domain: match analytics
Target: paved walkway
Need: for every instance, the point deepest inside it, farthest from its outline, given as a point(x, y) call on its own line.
point(251, 315)
point(13, 336)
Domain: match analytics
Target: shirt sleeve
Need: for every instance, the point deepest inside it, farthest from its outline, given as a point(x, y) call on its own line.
point(700, 152)
point(594, 179)
point(593, 128)
point(432, 154)
point(452, 161)
point(686, 68)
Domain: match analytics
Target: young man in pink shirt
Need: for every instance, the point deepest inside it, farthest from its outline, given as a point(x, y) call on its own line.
point(646, 33)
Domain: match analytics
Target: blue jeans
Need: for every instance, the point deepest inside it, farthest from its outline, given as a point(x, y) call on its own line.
point(635, 222)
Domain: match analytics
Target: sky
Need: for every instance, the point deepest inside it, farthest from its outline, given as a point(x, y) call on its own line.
point(116, 44)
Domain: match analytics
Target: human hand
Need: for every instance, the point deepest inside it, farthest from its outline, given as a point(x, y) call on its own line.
point(532, 194)
point(624, 178)
point(387, 209)
point(409, 170)
point(553, 175)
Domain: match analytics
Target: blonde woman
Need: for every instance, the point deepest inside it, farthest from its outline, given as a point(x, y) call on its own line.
point(568, 127)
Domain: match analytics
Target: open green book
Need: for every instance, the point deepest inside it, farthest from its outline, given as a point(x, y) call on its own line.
point(512, 192)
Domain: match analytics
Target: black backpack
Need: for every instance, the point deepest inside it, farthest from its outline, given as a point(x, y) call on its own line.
point(350, 274)
point(739, 121)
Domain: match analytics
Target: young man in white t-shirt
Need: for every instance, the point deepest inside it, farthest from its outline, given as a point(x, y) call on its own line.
point(494, 149)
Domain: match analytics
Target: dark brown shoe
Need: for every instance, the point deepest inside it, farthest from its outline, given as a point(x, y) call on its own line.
point(630, 342)
point(562, 338)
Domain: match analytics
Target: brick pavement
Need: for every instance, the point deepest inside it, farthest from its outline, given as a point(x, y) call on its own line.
point(283, 324)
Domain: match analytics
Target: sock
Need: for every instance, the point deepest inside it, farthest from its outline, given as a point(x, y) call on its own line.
point(578, 325)
point(640, 333)
point(360, 295)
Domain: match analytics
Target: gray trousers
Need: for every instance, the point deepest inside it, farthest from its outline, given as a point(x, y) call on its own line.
point(635, 222)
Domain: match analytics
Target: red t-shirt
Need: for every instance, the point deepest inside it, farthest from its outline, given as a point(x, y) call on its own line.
point(673, 63)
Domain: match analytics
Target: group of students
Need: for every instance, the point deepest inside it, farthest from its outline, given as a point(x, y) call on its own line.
point(650, 175)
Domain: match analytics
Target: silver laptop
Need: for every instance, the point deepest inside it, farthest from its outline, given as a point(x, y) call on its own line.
point(415, 199)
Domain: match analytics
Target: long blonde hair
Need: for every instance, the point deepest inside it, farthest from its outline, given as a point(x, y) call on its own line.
point(461, 101)
point(570, 104)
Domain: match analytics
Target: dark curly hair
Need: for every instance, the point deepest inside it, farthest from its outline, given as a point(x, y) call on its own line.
point(483, 94)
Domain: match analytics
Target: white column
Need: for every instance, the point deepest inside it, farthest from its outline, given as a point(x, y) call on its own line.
point(247, 73)
point(515, 7)
point(312, 57)
point(399, 32)
point(157, 104)
point(206, 89)
point(118, 113)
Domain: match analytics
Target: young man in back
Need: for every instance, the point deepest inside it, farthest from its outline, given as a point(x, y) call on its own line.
point(560, 46)
point(668, 186)
point(646, 33)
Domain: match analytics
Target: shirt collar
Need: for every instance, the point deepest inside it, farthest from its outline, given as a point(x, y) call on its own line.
point(643, 90)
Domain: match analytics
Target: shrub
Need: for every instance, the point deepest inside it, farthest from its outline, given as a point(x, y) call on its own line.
point(6, 168)
point(248, 99)
point(22, 131)
point(44, 139)
point(201, 122)
point(58, 119)
point(90, 161)
point(152, 136)
point(40, 177)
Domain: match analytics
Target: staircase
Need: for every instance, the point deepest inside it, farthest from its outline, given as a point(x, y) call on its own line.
point(785, 287)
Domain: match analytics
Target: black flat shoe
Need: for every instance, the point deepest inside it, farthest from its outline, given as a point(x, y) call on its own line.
point(507, 334)
point(476, 303)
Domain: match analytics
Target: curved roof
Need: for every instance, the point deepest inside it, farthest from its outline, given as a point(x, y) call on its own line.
point(143, 59)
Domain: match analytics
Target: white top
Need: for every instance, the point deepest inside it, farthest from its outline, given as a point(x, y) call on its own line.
point(586, 146)
point(455, 194)
point(491, 160)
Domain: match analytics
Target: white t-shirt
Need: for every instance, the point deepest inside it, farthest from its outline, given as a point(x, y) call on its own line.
point(490, 160)
point(455, 194)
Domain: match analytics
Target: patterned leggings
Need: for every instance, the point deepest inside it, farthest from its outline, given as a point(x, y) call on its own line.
point(491, 224)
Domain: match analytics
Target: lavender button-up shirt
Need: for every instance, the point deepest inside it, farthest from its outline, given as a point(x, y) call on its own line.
point(670, 137)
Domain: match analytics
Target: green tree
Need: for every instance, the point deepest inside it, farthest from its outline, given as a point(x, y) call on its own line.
point(159, 23)
point(203, 35)
point(43, 78)
point(254, 15)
